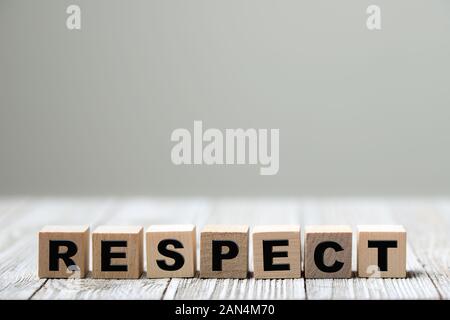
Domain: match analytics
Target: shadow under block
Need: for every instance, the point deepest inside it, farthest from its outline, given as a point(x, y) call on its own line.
point(63, 252)
point(328, 252)
point(276, 252)
point(117, 252)
point(171, 251)
point(224, 251)
point(381, 251)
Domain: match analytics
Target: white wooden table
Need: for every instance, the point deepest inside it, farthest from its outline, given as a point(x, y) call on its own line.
point(427, 222)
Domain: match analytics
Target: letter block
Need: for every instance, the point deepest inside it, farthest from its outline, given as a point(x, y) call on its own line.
point(328, 252)
point(117, 252)
point(224, 251)
point(171, 251)
point(277, 252)
point(381, 251)
point(63, 251)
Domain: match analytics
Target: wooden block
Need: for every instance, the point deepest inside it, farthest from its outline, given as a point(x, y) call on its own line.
point(224, 251)
point(328, 251)
point(276, 252)
point(63, 252)
point(117, 252)
point(381, 251)
point(171, 251)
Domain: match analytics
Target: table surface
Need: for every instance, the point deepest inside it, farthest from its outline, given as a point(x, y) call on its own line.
point(427, 222)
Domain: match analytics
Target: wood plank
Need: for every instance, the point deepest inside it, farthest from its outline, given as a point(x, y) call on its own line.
point(18, 272)
point(356, 211)
point(224, 289)
point(252, 212)
point(316, 213)
point(137, 211)
point(9, 208)
point(427, 223)
point(428, 251)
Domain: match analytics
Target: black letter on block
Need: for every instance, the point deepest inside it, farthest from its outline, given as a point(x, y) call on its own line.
point(54, 255)
point(179, 259)
point(382, 251)
point(268, 255)
point(319, 253)
point(107, 255)
point(218, 256)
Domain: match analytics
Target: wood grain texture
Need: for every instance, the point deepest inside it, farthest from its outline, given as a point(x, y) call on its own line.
point(428, 255)
point(220, 289)
point(428, 225)
point(124, 212)
point(128, 255)
point(185, 237)
point(417, 285)
point(317, 235)
point(78, 237)
point(289, 249)
point(369, 259)
point(232, 254)
point(18, 272)
point(243, 211)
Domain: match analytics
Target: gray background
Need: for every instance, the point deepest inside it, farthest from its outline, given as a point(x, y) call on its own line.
point(91, 112)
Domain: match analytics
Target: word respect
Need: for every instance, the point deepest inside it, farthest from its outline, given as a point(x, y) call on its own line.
point(118, 251)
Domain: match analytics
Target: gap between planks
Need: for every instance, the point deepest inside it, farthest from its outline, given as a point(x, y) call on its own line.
point(239, 211)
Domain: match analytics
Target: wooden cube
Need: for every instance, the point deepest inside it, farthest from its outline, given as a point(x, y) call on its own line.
point(63, 252)
point(171, 251)
point(328, 251)
point(276, 252)
point(117, 252)
point(381, 251)
point(224, 251)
